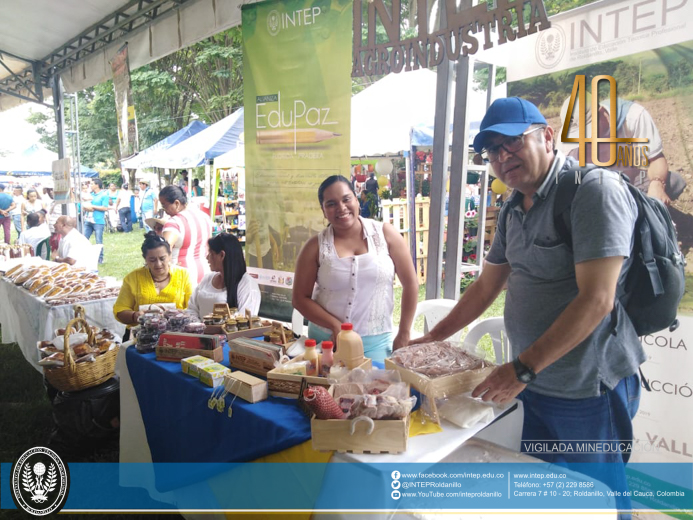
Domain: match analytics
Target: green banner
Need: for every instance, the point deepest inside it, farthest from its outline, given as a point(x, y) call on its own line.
point(297, 98)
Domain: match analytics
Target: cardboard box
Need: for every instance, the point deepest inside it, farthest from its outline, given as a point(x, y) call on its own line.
point(388, 436)
point(289, 385)
point(213, 374)
point(189, 341)
point(192, 365)
point(245, 386)
point(253, 358)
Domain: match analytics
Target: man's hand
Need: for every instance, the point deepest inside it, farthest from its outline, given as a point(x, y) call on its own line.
point(401, 340)
point(426, 338)
point(501, 386)
point(656, 190)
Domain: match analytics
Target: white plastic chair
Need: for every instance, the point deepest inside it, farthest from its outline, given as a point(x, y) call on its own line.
point(297, 322)
point(494, 327)
point(435, 310)
point(92, 262)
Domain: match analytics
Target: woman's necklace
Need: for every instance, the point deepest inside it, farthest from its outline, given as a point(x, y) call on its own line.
point(168, 275)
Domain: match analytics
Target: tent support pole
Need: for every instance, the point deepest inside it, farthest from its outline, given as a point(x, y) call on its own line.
point(439, 174)
point(458, 180)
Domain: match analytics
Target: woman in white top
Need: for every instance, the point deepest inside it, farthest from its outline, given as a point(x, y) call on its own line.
point(31, 205)
point(346, 274)
point(228, 282)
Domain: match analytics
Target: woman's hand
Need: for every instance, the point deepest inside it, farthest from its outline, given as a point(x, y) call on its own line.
point(136, 316)
point(401, 340)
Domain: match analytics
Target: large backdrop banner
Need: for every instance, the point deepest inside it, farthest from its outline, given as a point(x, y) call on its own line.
point(646, 47)
point(297, 97)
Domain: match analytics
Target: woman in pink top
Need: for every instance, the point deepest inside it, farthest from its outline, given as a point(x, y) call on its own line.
point(187, 232)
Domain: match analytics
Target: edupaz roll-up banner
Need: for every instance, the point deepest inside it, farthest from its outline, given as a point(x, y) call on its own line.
point(646, 48)
point(297, 98)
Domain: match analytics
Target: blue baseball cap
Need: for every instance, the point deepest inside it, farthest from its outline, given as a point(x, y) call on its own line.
point(507, 116)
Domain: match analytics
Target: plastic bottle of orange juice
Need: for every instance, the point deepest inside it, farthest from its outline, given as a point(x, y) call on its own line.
point(349, 347)
point(311, 356)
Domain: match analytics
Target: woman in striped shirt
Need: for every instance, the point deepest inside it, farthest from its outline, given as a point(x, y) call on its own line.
point(187, 232)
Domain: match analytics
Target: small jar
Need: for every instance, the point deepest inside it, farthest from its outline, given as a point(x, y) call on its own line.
point(217, 319)
point(242, 323)
point(276, 338)
point(231, 325)
point(195, 328)
point(255, 322)
point(233, 311)
point(208, 319)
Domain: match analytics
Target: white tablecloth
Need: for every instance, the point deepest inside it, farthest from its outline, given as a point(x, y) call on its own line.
point(26, 319)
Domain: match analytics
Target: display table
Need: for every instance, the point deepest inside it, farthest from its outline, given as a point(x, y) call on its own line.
point(26, 319)
point(162, 409)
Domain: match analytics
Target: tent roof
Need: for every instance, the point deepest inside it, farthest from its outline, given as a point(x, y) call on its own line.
point(384, 114)
point(235, 157)
point(211, 142)
point(35, 160)
point(78, 38)
point(142, 159)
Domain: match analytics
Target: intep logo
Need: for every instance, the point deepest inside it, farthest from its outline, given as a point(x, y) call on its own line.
point(40, 482)
point(277, 21)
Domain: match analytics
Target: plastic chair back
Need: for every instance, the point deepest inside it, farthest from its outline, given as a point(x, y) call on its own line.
point(92, 263)
point(297, 322)
point(495, 327)
point(43, 249)
point(435, 310)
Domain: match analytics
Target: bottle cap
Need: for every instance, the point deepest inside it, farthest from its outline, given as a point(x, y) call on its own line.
point(327, 345)
point(347, 326)
point(310, 343)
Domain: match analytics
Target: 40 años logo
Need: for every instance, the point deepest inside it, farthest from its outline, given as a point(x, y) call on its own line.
point(40, 482)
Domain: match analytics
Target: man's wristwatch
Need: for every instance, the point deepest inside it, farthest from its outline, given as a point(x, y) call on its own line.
point(523, 373)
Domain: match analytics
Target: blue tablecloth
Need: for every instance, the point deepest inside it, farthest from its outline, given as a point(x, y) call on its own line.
point(181, 428)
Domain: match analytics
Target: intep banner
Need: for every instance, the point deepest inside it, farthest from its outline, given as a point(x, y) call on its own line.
point(297, 97)
point(646, 48)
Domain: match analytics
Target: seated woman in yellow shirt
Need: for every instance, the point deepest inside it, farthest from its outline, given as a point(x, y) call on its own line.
point(157, 282)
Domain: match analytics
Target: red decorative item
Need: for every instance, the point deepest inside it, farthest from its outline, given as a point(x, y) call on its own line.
point(360, 177)
point(322, 403)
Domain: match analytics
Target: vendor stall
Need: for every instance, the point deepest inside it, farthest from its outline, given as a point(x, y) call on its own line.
point(27, 318)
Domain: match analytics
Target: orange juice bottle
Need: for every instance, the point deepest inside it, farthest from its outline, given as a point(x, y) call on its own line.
point(311, 356)
point(349, 347)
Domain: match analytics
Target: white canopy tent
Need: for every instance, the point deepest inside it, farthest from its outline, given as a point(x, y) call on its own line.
point(383, 115)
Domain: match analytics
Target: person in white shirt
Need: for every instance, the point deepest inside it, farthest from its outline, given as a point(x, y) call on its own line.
point(228, 282)
point(74, 247)
point(37, 230)
point(31, 205)
point(122, 206)
point(16, 212)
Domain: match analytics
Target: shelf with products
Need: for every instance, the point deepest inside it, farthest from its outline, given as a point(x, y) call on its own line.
point(233, 218)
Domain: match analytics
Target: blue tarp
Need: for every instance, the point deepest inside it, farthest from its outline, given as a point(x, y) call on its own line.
point(422, 135)
point(221, 137)
point(35, 160)
point(143, 159)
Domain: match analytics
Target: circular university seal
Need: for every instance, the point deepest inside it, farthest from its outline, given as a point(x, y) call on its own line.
point(40, 482)
point(550, 46)
point(273, 22)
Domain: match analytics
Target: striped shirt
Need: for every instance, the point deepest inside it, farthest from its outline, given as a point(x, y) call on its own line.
point(192, 228)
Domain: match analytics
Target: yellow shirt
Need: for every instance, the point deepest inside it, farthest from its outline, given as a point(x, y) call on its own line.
point(138, 289)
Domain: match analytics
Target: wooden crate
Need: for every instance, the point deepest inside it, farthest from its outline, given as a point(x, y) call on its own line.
point(289, 385)
point(396, 213)
point(441, 386)
point(388, 436)
point(175, 354)
point(245, 386)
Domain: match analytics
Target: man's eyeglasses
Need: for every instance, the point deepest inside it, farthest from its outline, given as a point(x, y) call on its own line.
point(511, 145)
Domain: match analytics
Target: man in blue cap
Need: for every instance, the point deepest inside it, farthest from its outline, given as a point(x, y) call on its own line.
point(576, 376)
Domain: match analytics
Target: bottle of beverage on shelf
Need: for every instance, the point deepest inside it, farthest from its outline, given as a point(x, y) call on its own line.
point(327, 358)
point(311, 356)
point(349, 347)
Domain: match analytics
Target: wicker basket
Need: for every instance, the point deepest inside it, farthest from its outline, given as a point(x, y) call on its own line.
point(73, 377)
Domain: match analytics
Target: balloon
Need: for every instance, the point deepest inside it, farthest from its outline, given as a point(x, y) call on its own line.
point(383, 167)
point(498, 187)
point(383, 181)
